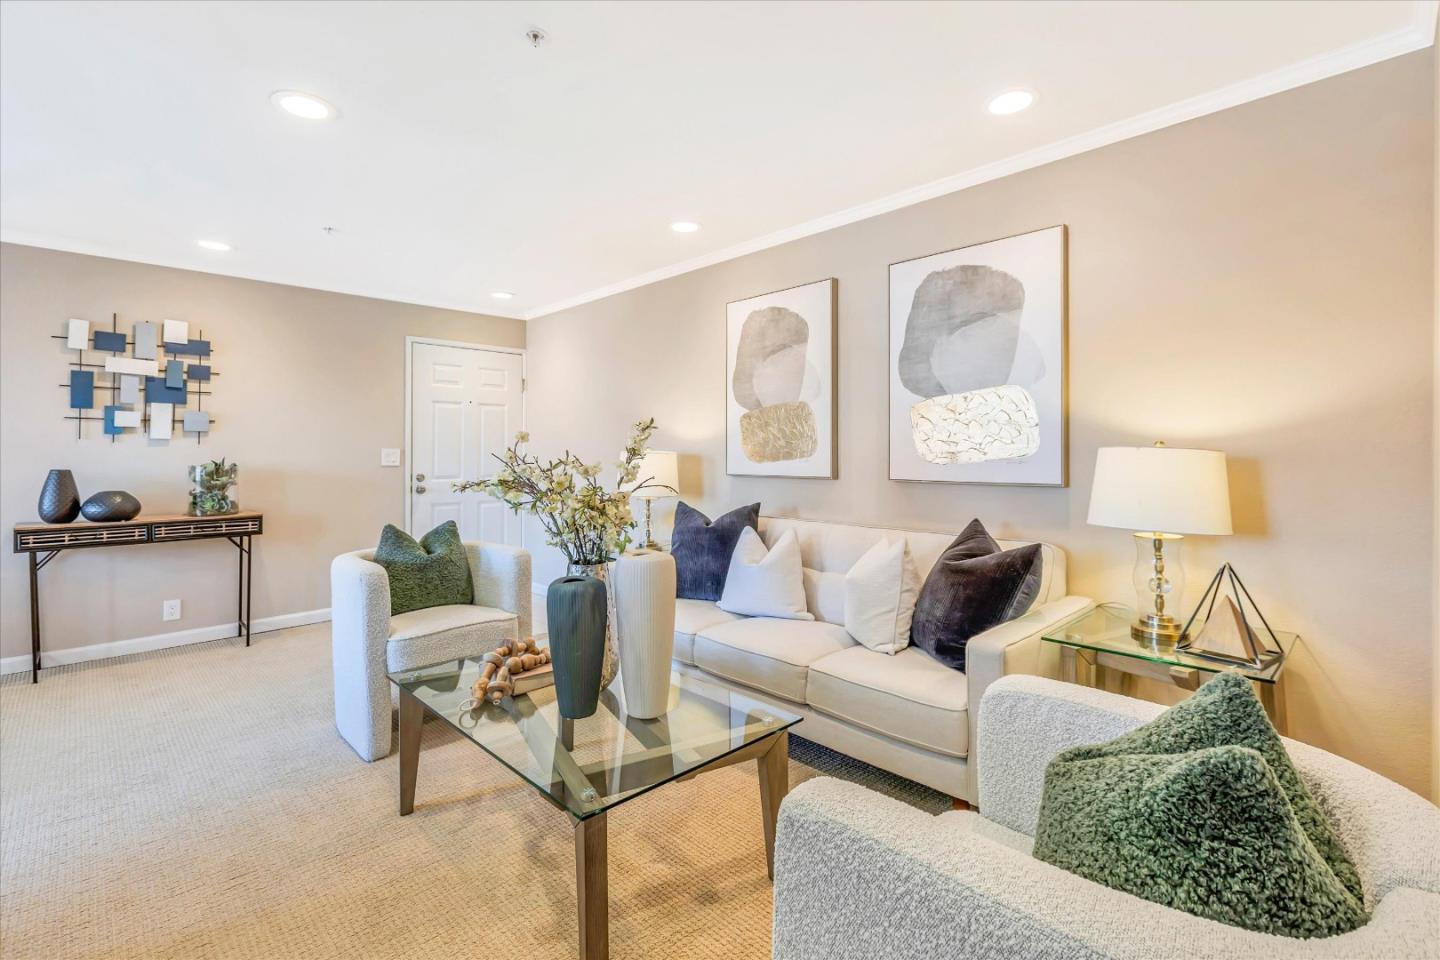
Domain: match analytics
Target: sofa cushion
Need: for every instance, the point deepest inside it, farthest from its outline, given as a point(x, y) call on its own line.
point(692, 616)
point(431, 572)
point(702, 547)
point(909, 696)
point(1202, 810)
point(765, 582)
point(769, 655)
point(423, 637)
point(974, 586)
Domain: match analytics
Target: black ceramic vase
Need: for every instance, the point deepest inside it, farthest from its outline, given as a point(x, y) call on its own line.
point(108, 506)
point(575, 608)
point(59, 500)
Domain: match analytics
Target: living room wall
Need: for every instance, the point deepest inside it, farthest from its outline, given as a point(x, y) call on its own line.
point(310, 387)
point(1257, 281)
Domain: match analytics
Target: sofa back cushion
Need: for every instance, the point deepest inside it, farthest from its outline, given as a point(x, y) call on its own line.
point(702, 548)
point(829, 550)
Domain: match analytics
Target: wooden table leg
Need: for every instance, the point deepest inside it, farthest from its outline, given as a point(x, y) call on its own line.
point(592, 888)
point(412, 716)
point(1273, 699)
point(1068, 671)
point(774, 784)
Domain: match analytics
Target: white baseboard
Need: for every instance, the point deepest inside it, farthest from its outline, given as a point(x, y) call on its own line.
point(119, 648)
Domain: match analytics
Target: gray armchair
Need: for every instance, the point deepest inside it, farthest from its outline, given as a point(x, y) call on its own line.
point(367, 642)
point(860, 875)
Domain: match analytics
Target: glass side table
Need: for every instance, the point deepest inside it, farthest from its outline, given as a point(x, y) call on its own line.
point(1096, 649)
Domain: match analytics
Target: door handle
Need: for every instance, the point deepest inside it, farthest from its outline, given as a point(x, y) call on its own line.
point(419, 478)
point(419, 488)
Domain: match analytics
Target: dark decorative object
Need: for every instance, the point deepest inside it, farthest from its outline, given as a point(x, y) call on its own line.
point(575, 608)
point(1228, 634)
point(108, 506)
point(211, 494)
point(702, 548)
point(59, 500)
point(974, 586)
point(433, 572)
point(1202, 810)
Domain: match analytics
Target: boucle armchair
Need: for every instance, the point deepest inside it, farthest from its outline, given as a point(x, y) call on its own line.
point(859, 875)
point(367, 642)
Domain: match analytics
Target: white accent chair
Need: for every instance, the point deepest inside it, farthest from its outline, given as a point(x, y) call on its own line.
point(900, 883)
point(367, 642)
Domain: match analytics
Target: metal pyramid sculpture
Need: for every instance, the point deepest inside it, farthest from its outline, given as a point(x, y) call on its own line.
point(1225, 632)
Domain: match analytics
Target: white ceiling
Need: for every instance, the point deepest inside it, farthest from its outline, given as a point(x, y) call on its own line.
point(464, 161)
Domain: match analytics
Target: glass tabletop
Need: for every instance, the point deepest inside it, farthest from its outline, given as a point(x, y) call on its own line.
point(1106, 629)
point(589, 765)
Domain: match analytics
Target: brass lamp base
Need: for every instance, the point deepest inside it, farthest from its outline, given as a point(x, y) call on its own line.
point(1156, 628)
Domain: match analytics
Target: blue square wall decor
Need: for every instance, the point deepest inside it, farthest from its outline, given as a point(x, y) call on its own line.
point(197, 371)
point(174, 374)
point(110, 428)
point(113, 342)
point(157, 391)
point(82, 389)
point(194, 348)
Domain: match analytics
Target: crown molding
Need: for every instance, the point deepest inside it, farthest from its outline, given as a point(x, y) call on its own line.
point(88, 248)
point(1419, 35)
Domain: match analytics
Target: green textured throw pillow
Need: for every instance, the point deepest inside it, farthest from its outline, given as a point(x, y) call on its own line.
point(1202, 810)
point(430, 573)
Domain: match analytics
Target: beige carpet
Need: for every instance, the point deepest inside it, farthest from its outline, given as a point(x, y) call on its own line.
point(197, 802)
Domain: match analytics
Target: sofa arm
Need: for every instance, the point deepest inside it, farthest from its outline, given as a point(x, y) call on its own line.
point(501, 576)
point(1024, 722)
point(1013, 647)
point(860, 875)
point(359, 631)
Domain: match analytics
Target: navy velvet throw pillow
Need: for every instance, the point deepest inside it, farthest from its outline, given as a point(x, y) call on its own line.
point(974, 586)
point(702, 547)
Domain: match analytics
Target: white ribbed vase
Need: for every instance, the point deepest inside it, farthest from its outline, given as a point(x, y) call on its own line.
point(644, 582)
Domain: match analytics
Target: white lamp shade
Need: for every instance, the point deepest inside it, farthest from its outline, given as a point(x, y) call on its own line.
point(1161, 490)
point(658, 470)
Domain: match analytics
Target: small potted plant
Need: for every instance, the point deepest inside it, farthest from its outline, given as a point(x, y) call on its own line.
point(210, 493)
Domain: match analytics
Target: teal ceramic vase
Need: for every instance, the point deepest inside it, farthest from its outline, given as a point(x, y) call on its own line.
point(575, 609)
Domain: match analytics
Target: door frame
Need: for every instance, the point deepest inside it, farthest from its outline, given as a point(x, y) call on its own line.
point(406, 467)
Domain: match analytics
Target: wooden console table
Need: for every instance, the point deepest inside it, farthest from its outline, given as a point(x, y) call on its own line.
point(42, 541)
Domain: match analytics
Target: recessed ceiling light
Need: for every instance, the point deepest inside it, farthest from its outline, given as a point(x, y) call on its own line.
point(502, 294)
point(1011, 101)
point(307, 106)
point(217, 245)
point(684, 226)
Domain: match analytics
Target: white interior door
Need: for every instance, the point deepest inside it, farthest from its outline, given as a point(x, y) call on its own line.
point(466, 404)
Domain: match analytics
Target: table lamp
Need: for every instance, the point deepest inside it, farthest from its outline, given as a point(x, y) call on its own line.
point(660, 476)
point(1162, 493)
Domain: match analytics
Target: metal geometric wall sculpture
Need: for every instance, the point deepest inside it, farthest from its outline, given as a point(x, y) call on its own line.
point(161, 385)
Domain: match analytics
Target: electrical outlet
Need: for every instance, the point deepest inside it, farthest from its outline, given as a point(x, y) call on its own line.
point(389, 457)
point(170, 610)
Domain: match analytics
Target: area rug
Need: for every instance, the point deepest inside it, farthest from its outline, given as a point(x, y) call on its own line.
point(197, 802)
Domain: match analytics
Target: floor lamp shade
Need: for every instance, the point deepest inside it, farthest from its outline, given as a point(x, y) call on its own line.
point(1162, 490)
point(1161, 493)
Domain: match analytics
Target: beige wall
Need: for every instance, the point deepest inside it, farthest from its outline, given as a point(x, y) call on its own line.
point(1258, 281)
point(310, 387)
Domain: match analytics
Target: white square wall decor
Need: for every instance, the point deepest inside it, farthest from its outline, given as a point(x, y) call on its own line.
point(977, 363)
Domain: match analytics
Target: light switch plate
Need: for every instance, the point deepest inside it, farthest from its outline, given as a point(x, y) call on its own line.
point(389, 456)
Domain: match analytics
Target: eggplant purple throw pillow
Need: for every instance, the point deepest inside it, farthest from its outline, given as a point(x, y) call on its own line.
point(702, 548)
point(972, 587)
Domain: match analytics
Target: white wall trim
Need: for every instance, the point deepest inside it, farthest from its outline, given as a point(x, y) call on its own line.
point(160, 641)
point(405, 458)
point(1388, 45)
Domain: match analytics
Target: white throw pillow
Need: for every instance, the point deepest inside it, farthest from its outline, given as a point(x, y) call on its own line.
point(765, 583)
point(880, 595)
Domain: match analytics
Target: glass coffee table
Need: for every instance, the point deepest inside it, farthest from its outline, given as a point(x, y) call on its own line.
point(1096, 648)
point(587, 767)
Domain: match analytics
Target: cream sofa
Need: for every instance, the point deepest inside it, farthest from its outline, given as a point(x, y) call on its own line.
point(964, 885)
point(906, 713)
